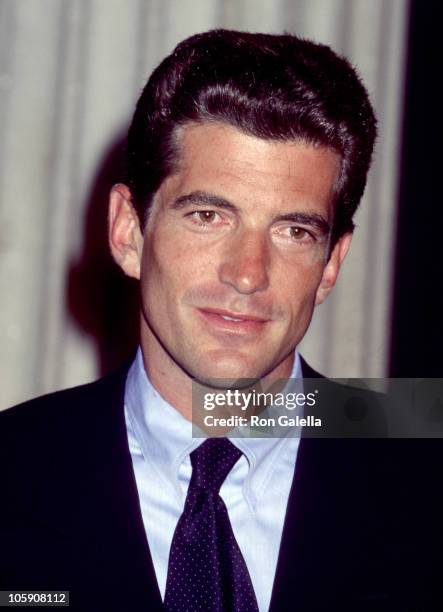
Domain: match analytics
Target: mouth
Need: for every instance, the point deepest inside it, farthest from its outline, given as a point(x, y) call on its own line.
point(240, 323)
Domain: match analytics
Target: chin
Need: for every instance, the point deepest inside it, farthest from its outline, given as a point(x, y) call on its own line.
point(224, 372)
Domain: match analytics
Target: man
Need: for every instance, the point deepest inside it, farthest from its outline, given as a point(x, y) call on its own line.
point(247, 158)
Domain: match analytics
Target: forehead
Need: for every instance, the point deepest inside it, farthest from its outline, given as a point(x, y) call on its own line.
point(224, 160)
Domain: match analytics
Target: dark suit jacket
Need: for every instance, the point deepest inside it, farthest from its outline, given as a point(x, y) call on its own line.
point(362, 528)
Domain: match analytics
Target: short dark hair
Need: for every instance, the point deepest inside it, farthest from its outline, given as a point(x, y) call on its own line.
point(271, 86)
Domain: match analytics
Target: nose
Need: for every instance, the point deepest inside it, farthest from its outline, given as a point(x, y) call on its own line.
point(245, 263)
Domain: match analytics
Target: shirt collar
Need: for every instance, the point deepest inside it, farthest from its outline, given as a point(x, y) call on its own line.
point(165, 436)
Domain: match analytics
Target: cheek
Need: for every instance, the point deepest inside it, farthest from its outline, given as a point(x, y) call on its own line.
point(169, 266)
point(298, 288)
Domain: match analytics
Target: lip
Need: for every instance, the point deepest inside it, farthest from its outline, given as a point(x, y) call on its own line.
point(244, 323)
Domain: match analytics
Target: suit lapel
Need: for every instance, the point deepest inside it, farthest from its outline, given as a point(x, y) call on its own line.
point(304, 535)
point(113, 526)
point(332, 543)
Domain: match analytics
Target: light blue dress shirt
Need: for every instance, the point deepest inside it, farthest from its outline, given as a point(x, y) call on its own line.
point(255, 492)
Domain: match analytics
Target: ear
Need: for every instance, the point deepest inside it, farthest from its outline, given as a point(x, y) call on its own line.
point(125, 236)
point(332, 268)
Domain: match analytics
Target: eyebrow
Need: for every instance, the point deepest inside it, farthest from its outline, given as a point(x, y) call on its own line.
point(202, 198)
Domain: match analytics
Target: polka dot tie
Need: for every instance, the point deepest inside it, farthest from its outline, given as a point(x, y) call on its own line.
point(206, 569)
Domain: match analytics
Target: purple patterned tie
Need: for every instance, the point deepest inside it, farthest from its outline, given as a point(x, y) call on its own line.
point(206, 568)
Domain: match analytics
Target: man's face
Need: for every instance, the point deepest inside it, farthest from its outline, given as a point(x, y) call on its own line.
point(235, 253)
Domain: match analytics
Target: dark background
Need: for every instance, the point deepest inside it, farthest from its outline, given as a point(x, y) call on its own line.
point(417, 312)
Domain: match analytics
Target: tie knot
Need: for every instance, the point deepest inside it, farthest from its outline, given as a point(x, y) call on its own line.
point(211, 463)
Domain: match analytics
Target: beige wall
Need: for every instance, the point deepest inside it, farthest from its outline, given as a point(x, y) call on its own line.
point(70, 73)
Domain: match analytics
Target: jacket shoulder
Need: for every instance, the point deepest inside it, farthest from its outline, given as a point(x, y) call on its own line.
point(62, 411)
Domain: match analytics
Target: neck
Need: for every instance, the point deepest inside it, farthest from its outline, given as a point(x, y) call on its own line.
point(166, 376)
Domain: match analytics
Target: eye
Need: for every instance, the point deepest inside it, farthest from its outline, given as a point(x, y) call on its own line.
point(204, 218)
point(295, 236)
point(299, 233)
point(295, 233)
